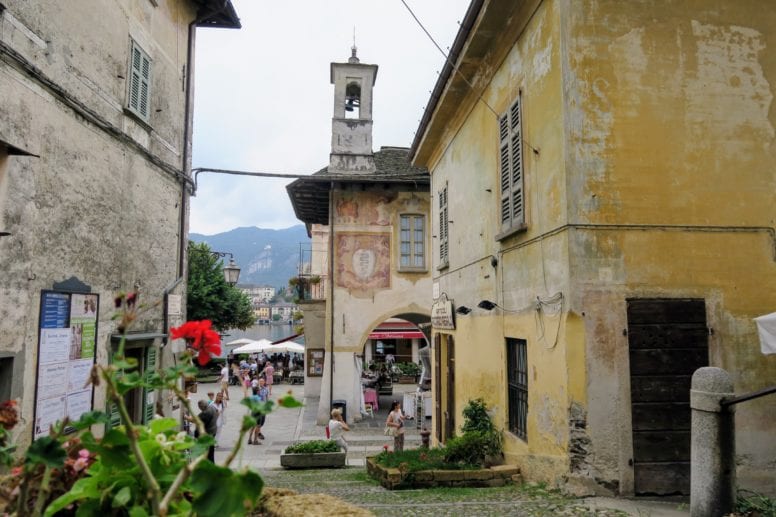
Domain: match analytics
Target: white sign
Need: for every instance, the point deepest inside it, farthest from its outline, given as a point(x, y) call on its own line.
point(442, 315)
point(54, 345)
point(174, 305)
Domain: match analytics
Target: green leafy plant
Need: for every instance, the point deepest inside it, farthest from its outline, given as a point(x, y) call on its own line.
point(408, 369)
point(313, 446)
point(413, 460)
point(754, 504)
point(480, 438)
point(135, 470)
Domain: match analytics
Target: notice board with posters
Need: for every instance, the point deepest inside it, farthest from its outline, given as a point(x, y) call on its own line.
point(314, 363)
point(67, 341)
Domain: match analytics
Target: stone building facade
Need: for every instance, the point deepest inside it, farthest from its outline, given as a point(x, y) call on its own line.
point(95, 137)
point(376, 208)
point(603, 181)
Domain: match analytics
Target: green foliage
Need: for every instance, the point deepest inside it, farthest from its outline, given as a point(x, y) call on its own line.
point(47, 451)
point(210, 297)
point(413, 460)
point(408, 369)
point(476, 418)
point(472, 447)
point(754, 504)
point(313, 446)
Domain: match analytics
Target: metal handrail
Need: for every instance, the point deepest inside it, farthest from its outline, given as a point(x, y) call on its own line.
point(729, 401)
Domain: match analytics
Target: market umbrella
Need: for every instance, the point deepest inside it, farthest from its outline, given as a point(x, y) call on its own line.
point(285, 346)
point(253, 347)
point(239, 342)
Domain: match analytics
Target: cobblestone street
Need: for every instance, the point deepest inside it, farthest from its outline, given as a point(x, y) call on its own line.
point(352, 484)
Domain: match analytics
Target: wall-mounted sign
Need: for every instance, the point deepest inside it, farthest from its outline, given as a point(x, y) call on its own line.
point(314, 364)
point(66, 352)
point(442, 315)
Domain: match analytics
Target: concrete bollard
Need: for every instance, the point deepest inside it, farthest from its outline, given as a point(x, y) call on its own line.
point(712, 452)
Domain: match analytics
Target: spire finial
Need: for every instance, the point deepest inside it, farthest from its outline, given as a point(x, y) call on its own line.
point(353, 49)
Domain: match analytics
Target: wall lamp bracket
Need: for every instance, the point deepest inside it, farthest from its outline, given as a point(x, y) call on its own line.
point(463, 310)
point(487, 305)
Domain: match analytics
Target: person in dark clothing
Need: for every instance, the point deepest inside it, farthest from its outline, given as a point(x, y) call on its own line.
point(209, 417)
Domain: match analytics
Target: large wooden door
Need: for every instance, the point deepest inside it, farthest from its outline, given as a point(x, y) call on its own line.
point(668, 341)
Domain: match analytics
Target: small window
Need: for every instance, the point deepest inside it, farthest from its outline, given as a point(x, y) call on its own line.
point(138, 94)
point(443, 236)
point(412, 240)
point(512, 202)
point(517, 386)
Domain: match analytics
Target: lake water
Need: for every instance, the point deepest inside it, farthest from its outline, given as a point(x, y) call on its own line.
point(256, 332)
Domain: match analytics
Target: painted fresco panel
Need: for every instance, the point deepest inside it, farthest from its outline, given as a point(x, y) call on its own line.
point(363, 260)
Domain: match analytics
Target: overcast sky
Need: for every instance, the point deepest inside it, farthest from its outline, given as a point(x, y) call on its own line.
point(264, 101)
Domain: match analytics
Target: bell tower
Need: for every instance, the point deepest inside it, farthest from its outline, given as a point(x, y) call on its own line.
point(351, 125)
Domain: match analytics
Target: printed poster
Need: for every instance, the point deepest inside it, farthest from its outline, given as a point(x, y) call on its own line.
point(66, 352)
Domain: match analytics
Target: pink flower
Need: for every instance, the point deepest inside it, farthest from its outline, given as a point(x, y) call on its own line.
point(80, 464)
point(83, 453)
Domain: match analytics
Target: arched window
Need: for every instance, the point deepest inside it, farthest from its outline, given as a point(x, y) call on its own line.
point(353, 100)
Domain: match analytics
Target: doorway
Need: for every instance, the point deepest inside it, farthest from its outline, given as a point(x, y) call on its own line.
point(667, 341)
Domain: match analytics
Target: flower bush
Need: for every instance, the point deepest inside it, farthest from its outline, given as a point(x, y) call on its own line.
point(134, 470)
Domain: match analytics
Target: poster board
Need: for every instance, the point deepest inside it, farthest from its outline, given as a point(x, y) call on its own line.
point(314, 362)
point(67, 342)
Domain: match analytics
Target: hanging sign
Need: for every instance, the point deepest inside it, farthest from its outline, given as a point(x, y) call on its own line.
point(442, 316)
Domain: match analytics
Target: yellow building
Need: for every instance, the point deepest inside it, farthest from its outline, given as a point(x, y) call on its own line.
point(603, 182)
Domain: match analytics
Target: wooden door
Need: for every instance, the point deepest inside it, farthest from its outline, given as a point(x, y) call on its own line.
point(450, 405)
point(436, 387)
point(668, 341)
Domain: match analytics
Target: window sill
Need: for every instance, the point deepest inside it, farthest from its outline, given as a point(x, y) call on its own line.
point(517, 436)
point(512, 231)
point(134, 116)
point(412, 270)
point(443, 266)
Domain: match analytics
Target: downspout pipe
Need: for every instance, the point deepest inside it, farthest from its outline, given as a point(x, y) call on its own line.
point(331, 292)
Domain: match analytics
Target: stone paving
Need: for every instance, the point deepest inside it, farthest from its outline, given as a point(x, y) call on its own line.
point(286, 426)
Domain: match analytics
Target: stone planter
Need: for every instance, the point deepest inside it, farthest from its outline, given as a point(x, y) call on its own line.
point(394, 479)
point(316, 460)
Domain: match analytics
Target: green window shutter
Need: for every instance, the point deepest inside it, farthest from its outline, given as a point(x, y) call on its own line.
point(139, 82)
point(115, 416)
point(149, 395)
point(512, 203)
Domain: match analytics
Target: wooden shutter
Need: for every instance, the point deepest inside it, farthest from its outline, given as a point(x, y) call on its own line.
point(512, 205)
point(443, 229)
point(149, 395)
point(139, 82)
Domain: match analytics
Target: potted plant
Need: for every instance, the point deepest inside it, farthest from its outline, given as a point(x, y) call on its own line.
point(313, 455)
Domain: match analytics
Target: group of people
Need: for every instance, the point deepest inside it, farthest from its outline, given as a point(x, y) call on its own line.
point(212, 414)
point(395, 422)
point(281, 363)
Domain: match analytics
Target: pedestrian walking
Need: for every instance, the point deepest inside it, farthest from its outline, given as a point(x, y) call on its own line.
point(269, 375)
point(220, 406)
point(224, 380)
point(260, 395)
point(337, 426)
point(396, 421)
point(207, 415)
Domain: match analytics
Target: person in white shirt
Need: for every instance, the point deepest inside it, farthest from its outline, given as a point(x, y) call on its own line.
point(337, 426)
point(224, 379)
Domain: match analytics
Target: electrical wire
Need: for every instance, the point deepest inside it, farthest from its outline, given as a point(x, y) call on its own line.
point(447, 58)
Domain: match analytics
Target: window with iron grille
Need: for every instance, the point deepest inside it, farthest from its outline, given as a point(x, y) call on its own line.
point(412, 240)
point(517, 386)
point(443, 236)
point(139, 90)
point(512, 202)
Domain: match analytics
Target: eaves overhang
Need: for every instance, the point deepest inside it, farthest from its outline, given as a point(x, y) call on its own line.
point(488, 30)
point(217, 14)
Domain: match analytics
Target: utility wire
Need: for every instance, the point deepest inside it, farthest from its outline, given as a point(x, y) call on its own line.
point(447, 58)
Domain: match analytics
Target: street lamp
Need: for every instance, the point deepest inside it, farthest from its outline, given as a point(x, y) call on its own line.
point(231, 270)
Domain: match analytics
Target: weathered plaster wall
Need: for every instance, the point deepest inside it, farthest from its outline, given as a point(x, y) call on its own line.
point(363, 296)
point(91, 206)
point(531, 264)
point(670, 130)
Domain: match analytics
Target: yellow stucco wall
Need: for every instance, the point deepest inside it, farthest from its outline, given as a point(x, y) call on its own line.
point(648, 149)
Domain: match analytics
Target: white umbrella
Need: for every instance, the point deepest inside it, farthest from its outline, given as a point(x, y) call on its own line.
point(253, 347)
point(239, 342)
point(285, 346)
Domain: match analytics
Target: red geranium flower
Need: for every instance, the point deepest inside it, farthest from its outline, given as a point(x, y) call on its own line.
point(201, 337)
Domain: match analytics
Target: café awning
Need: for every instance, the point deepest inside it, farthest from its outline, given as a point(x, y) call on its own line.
point(397, 334)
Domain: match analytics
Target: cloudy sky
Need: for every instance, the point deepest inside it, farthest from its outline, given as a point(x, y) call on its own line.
point(264, 101)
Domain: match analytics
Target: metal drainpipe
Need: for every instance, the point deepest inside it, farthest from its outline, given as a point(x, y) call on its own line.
point(331, 292)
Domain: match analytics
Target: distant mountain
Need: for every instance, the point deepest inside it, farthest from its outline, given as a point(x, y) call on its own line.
point(268, 257)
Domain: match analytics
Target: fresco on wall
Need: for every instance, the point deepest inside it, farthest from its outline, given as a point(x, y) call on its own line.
point(367, 208)
point(363, 260)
